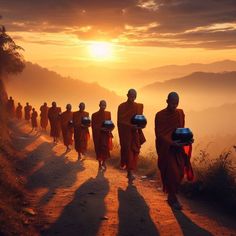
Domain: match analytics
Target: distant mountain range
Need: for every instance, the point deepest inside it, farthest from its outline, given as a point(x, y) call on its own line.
point(121, 79)
point(198, 90)
point(37, 84)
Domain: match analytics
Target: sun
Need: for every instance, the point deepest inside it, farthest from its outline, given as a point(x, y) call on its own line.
point(101, 50)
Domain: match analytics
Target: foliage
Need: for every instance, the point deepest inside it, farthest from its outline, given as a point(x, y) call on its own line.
point(215, 179)
point(11, 61)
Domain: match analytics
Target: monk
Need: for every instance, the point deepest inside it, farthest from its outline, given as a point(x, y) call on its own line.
point(54, 120)
point(34, 121)
point(131, 136)
point(81, 132)
point(27, 110)
point(172, 158)
point(102, 137)
point(44, 116)
point(11, 107)
point(66, 118)
point(19, 111)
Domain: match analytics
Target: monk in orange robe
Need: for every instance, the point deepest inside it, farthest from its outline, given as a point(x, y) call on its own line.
point(11, 107)
point(19, 111)
point(81, 132)
point(172, 158)
point(102, 137)
point(27, 110)
point(44, 116)
point(34, 121)
point(54, 120)
point(66, 118)
point(131, 136)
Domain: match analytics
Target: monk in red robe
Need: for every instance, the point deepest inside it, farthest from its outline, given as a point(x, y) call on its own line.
point(54, 120)
point(172, 158)
point(66, 119)
point(102, 137)
point(34, 121)
point(131, 136)
point(11, 107)
point(27, 110)
point(19, 111)
point(44, 116)
point(81, 132)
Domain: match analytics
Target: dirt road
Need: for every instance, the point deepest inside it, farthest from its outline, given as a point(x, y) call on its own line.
point(74, 198)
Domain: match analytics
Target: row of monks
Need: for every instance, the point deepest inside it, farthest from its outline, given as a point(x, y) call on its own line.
point(171, 156)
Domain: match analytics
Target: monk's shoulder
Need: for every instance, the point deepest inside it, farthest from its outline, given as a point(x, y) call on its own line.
point(181, 111)
point(122, 105)
point(95, 114)
point(161, 112)
point(86, 113)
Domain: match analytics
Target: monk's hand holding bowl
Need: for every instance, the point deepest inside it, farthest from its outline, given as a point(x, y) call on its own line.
point(105, 129)
point(135, 127)
point(178, 143)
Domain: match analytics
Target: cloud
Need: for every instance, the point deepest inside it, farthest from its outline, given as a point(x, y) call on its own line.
point(167, 23)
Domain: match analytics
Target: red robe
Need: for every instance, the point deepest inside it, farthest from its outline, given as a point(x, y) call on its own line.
point(54, 119)
point(130, 140)
point(34, 121)
point(11, 107)
point(27, 110)
point(172, 161)
point(44, 116)
point(66, 128)
point(102, 139)
point(19, 112)
point(81, 134)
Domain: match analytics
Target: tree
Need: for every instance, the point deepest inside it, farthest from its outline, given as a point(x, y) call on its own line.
point(11, 62)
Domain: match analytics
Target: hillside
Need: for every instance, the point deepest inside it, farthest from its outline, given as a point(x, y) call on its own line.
point(37, 84)
point(120, 79)
point(199, 90)
point(173, 71)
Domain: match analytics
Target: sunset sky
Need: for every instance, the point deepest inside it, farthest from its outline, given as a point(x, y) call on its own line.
point(122, 33)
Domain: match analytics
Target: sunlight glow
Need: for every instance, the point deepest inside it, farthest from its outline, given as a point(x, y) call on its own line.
point(101, 50)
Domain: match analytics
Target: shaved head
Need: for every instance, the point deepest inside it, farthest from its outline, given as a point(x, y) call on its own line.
point(172, 101)
point(173, 95)
point(102, 105)
point(132, 94)
point(82, 106)
point(68, 107)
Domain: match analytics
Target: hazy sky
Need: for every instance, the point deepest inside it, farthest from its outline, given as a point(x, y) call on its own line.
point(140, 33)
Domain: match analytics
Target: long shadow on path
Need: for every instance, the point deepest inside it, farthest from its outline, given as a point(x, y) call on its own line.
point(83, 215)
point(134, 218)
point(189, 227)
point(55, 171)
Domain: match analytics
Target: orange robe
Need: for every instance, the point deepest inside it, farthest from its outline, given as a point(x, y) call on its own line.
point(54, 119)
point(11, 107)
point(130, 140)
point(19, 112)
point(66, 127)
point(171, 160)
point(27, 110)
point(44, 116)
point(34, 122)
point(102, 139)
point(81, 134)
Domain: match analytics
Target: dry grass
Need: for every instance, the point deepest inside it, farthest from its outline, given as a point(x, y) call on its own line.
point(147, 164)
point(13, 220)
point(215, 179)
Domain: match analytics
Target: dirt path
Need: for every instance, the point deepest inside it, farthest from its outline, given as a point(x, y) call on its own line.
point(73, 198)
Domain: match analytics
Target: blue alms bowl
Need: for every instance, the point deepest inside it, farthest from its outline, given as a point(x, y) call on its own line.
point(108, 124)
point(182, 135)
point(86, 121)
point(139, 120)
